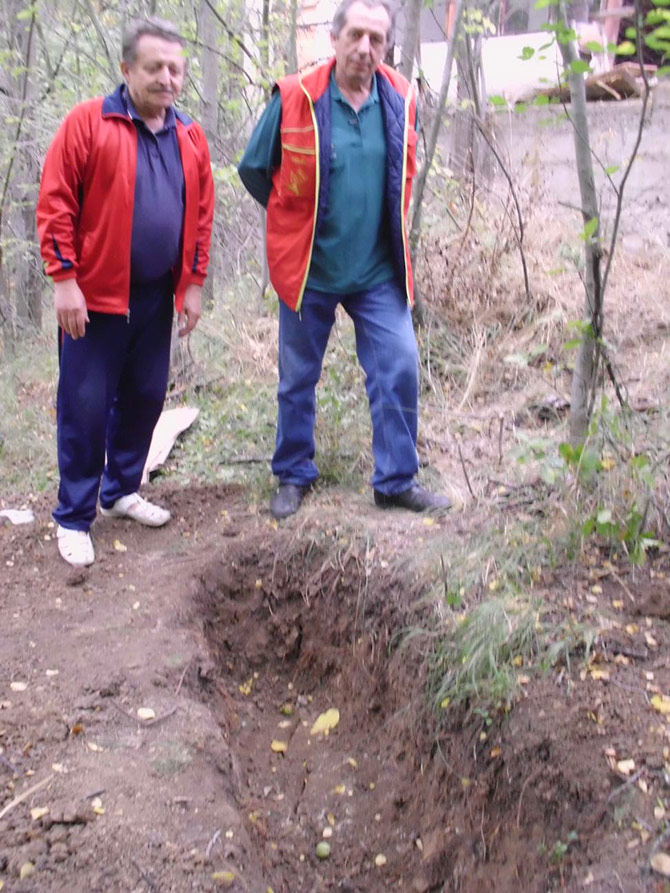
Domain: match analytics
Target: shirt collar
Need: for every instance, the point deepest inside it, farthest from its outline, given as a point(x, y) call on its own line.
point(170, 119)
point(337, 95)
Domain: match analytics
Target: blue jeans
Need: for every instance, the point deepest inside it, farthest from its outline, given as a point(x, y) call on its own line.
point(387, 351)
point(111, 389)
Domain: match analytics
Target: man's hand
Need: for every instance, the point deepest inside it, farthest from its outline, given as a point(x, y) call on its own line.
point(191, 311)
point(70, 307)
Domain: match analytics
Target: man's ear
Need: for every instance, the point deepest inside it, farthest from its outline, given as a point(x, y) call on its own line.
point(124, 70)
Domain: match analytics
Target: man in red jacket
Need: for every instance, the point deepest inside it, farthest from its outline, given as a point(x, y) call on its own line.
point(124, 217)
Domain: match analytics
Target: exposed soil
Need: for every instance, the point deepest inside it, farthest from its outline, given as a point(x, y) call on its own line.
point(238, 634)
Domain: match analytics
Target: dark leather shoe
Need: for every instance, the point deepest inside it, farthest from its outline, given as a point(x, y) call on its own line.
point(287, 500)
point(416, 499)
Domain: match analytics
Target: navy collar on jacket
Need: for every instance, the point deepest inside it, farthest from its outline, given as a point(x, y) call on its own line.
point(115, 104)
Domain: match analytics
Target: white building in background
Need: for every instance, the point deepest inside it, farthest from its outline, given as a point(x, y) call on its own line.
point(506, 73)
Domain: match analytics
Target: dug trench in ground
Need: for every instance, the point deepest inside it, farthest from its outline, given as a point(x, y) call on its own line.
point(301, 628)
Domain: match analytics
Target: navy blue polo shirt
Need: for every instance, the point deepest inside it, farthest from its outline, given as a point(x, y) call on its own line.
point(158, 211)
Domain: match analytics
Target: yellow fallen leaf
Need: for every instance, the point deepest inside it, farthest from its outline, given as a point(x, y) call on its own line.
point(495, 752)
point(279, 746)
point(660, 862)
point(118, 545)
point(26, 869)
point(326, 721)
point(226, 878)
point(428, 522)
point(607, 463)
point(331, 819)
point(617, 604)
point(517, 661)
point(146, 713)
point(661, 703)
point(596, 673)
point(352, 762)
point(18, 686)
point(380, 860)
point(38, 812)
point(245, 687)
point(444, 703)
point(632, 628)
point(339, 789)
point(523, 679)
point(625, 767)
point(596, 590)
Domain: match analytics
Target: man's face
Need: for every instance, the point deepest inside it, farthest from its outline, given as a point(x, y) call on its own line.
point(156, 76)
point(361, 44)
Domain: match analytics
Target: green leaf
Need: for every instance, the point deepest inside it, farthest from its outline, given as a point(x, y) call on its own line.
point(626, 49)
point(572, 344)
point(661, 2)
point(594, 47)
point(497, 100)
point(566, 452)
point(543, 4)
point(664, 69)
point(520, 107)
point(612, 169)
point(587, 527)
point(657, 16)
point(527, 53)
point(631, 33)
point(589, 229)
point(566, 35)
point(541, 99)
point(579, 66)
point(640, 461)
point(589, 462)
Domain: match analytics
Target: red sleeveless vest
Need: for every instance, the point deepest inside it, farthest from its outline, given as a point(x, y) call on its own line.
point(293, 207)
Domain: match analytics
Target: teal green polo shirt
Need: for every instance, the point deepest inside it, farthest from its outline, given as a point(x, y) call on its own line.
point(352, 251)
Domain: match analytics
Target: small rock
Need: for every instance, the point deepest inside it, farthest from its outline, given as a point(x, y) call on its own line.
point(57, 834)
point(59, 852)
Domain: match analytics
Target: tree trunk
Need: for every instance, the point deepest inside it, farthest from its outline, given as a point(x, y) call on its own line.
point(420, 183)
point(410, 40)
point(209, 102)
point(293, 38)
point(586, 365)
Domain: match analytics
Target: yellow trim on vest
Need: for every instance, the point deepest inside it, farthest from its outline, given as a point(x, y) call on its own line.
point(317, 186)
point(405, 141)
point(298, 149)
point(296, 129)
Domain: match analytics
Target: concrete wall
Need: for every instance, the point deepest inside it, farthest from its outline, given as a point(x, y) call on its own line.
point(539, 144)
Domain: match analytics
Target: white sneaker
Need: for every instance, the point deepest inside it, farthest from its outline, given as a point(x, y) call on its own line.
point(75, 546)
point(138, 509)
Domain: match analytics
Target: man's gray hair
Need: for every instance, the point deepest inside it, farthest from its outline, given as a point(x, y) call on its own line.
point(340, 17)
point(152, 26)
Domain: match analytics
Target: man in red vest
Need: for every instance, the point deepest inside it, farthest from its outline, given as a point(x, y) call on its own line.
point(124, 216)
point(332, 159)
